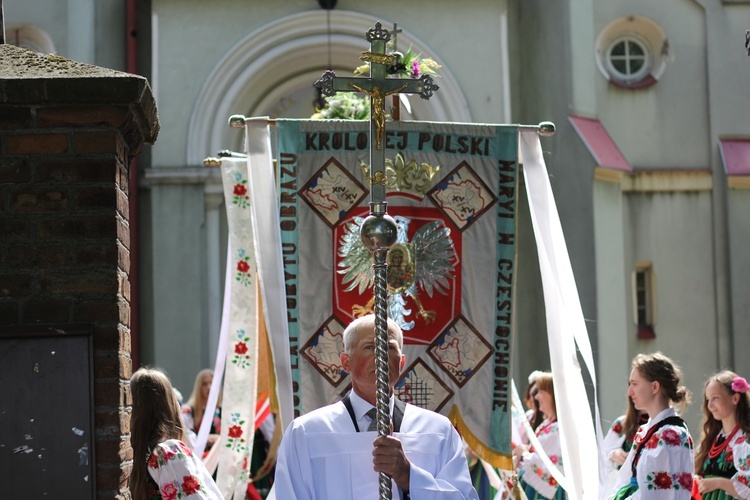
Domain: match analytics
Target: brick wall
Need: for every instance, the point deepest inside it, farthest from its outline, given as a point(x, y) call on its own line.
point(66, 141)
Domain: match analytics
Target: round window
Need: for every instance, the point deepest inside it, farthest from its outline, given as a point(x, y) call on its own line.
point(628, 58)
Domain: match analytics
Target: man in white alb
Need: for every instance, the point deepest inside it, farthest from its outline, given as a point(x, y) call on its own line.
point(330, 453)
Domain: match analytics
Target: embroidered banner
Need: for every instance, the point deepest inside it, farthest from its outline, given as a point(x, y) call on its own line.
point(452, 190)
point(240, 377)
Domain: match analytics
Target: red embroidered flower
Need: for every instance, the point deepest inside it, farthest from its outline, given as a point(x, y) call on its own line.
point(743, 480)
point(671, 437)
point(169, 454)
point(663, 481)
point(243, 266)
point(690, 442)
point(653, 442)
point(235, 431)
point(539, 472)
point(169, 491)
point(617, 428)
point(240, 190)
point(153, 461)
point(554, 459)
point(686, 481)
point(240, 348)
point(185, 448)
point(552, 481)
point(741, 439)
point(244, 464)
point(190, 485)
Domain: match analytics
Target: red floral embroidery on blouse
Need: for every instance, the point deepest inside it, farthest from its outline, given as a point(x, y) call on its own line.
point(617, 428)
point(190, 485)
point(663, 481)
point(185, 448)
point(686, 480)
point(169, 492)
point(240, 190)
point(741, 439)
point(153, 461)
point(653, 442)
point(243, 266)
point(169, 454)
point(235, 431)
point(671, 437)
point(743, 480)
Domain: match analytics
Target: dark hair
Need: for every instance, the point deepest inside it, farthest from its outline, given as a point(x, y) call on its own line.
point(538, 417)
point(657, 367)
point(711, 426)
point(155, 418)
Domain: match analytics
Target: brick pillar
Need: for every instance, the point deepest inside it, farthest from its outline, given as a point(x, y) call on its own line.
point(67, 134)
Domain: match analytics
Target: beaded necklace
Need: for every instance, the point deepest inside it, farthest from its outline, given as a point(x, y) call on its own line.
point(717, 449)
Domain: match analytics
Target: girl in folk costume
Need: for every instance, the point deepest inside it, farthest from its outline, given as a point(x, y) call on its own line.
point(535, 478)
point(163, 465)
point(660, 464)
point(193, 411)
point(619, 438)
point(722, 463)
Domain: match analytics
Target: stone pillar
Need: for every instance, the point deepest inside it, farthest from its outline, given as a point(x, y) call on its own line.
point(67, 134)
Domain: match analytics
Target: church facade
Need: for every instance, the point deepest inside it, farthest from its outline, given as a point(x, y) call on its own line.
point(649, 164)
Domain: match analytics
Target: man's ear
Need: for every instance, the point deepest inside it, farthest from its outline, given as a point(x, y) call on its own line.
point(345, 362)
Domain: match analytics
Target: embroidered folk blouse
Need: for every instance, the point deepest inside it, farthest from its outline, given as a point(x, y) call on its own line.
point(535, 474)
point(665, 468)
point(731, 463)
point(178, 474)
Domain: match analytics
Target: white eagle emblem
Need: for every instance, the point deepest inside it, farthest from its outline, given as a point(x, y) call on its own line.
point(424, 264)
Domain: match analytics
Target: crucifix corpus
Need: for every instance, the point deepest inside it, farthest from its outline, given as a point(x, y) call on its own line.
point(378, 231)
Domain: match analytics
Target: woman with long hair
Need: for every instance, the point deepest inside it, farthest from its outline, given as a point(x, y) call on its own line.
point(163, 465)
point(660, 463)
point(193, 411)
point(619, 438)
point(722, 462)
point(534, 477)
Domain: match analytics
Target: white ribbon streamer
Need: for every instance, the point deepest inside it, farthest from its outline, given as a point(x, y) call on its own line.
point(565, 328)
point(268, 252)
point(221, 357)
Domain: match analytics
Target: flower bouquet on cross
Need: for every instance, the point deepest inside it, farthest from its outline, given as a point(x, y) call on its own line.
point(350, 106)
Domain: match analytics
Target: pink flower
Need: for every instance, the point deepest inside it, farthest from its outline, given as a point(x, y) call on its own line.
point(686, 480)
point(671, 437)
point(739, 384)
point(169, 491)
point(415, 71)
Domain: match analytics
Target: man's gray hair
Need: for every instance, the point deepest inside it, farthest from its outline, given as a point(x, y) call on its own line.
point(353, 330)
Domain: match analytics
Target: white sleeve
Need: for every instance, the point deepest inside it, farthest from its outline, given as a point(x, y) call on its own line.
point(452, 481)
point(180, 474)
point(665, 469)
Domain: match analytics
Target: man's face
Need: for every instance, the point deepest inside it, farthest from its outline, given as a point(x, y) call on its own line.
point(360, 362)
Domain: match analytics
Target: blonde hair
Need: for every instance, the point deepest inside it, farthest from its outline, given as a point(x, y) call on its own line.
point(155, 418)
point(197, 402)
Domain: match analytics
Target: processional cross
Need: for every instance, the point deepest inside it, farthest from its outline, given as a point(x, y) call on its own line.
point(378, 231)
